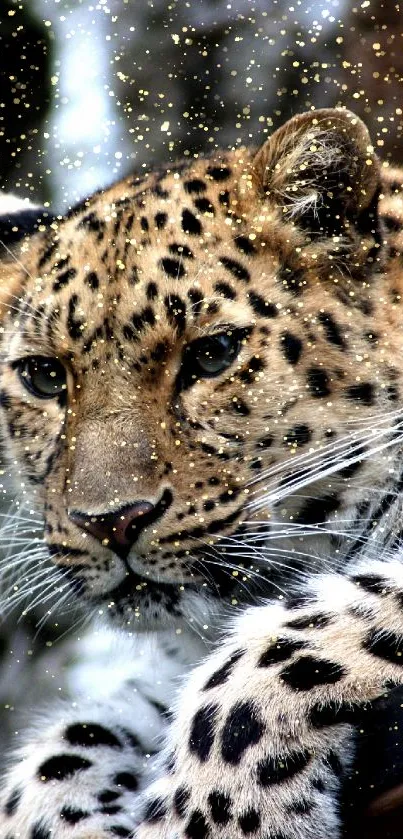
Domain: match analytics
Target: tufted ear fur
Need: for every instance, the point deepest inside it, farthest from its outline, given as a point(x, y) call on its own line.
point(18, 219)
point(321, 169)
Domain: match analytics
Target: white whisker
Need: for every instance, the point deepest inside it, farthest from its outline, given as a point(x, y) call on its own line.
point(17, 261)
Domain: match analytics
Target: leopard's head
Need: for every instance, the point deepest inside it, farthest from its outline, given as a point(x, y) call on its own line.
point(179, 348)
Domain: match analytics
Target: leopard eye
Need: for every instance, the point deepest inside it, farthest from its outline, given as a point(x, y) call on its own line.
point(213, 354)
point(208, 357)
point(44, 377)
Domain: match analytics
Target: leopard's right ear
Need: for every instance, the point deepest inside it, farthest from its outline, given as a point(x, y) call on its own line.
point(19, 220)
point(321, 171)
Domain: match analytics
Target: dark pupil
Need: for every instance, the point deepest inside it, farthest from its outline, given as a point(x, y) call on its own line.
point(216, 353)
point(46, 375)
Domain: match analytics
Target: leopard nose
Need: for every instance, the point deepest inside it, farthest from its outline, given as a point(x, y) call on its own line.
point(118, 530)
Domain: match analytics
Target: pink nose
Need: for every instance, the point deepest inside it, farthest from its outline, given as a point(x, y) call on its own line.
point(119, 529)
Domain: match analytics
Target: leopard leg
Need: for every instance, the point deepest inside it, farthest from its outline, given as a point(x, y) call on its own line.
point(264, 732)
point(82, 774)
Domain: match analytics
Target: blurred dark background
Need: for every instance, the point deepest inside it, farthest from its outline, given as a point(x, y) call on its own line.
point(90, 90)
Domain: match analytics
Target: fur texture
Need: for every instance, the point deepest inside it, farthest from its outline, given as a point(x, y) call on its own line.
point(201, 390)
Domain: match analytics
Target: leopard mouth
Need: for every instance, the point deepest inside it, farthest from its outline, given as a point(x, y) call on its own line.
point(133, 586)
point(136, 588)
point(141, 602)
point(137, 583)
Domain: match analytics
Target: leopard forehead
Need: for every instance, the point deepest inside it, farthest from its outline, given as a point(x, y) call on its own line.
point(170, 253)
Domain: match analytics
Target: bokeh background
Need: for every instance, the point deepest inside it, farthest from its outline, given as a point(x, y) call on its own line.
point(91, 89)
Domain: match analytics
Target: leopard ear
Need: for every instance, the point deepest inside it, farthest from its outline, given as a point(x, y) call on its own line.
point(18, 220)
point(320, 168)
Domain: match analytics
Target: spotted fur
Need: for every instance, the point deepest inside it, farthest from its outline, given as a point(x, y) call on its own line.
point(175, 490)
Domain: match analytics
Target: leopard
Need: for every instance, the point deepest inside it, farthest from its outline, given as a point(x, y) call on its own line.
point(201, 397)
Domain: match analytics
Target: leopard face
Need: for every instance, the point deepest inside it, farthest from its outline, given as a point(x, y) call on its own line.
point(183, 350)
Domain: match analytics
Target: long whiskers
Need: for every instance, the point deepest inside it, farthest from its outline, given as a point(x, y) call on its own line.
point(273, 493)
point(346, 445)
point(16, 260)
